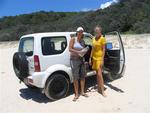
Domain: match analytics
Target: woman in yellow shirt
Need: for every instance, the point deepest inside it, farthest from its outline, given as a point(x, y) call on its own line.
point(97, 57)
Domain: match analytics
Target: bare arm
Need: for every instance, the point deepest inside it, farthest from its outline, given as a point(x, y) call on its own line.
point(103, 51)
point(91, 56)
point(103, 47)
point(91, 53)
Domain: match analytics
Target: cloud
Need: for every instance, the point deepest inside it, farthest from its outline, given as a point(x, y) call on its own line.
point(86, 9)
point(107, 4)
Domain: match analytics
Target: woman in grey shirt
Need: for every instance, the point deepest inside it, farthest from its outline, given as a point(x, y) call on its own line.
point(77, 62)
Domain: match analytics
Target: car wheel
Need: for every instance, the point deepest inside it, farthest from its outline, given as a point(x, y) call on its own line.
point(20, 65)
point(31, 87)
point(57, 87)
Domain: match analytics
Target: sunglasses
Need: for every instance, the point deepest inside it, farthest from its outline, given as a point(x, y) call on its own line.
point(80, 31)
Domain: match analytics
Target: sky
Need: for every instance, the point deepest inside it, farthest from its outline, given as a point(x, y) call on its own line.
point(17, 7)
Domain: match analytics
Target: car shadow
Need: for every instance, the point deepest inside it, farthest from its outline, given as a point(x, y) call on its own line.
point(91, 86)
point(114, 87)
point(33, 94)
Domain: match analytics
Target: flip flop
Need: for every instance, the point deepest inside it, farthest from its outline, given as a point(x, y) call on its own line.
point(85, 95)
point(75, 99)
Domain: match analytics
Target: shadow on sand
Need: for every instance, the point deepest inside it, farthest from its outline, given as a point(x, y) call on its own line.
point(114, 87)
point(34, 94)
point(37, 96)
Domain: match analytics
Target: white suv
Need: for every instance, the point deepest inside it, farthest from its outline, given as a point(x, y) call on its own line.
point(43, 61)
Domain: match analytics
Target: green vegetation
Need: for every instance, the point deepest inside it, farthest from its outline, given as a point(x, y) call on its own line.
point(127, 16)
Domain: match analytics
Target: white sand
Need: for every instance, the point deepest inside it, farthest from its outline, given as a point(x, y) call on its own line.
point(16, 98)
point(136, 41)
point(141, 41)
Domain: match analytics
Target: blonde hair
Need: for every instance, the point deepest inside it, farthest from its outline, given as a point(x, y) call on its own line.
point(99, 27)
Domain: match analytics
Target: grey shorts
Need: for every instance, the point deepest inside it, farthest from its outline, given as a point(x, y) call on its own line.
point(78, 68)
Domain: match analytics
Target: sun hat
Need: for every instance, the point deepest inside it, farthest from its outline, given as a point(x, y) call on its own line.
point(80, 29)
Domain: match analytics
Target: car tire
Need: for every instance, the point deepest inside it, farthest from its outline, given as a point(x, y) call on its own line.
point(31, 87)
point(20, 65)
point(57, 87)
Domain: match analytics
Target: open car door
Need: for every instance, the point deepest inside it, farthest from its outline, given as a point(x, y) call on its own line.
point(114, 61)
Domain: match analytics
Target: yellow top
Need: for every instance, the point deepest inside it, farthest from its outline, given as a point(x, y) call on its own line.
point(97, 50)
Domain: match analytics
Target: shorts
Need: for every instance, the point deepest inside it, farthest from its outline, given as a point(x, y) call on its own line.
point(78, 68)
point(96, 64)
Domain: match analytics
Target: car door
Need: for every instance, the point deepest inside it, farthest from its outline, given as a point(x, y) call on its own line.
point(114, 60)
point(88, 42)
point(53, 51)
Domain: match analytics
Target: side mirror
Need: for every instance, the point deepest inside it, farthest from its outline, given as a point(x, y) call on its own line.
point(109, 46)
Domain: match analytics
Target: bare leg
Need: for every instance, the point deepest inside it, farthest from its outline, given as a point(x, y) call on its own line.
point(75, 83)
point(100, 82)
point(82, 83)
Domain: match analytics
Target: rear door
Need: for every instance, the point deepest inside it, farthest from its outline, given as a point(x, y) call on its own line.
point(53, 51)
point(27, 46)
point(114, 55)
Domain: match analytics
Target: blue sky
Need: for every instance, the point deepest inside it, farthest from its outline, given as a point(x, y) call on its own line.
point(16, 7)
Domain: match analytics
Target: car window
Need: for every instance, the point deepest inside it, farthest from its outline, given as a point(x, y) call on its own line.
point(88, 40)
point(113, 40)
point(53, 45)
point(27, 46)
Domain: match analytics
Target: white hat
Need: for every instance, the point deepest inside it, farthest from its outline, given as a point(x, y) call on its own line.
point(80, 29)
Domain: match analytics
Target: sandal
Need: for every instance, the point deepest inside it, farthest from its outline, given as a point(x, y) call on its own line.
point(85, 95)
point(75, 99)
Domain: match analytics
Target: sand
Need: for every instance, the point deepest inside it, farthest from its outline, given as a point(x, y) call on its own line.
point(129, 94)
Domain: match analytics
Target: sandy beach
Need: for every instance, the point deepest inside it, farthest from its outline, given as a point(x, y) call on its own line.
point(129, 94)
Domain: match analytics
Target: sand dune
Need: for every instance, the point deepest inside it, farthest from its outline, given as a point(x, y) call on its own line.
point(136, 41)
point(129, 41)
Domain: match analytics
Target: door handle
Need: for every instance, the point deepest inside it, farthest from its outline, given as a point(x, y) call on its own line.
point(32, 67)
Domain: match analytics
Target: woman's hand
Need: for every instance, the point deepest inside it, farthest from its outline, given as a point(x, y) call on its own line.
point(90, 62)
point(79, 52)
point(102, 62)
